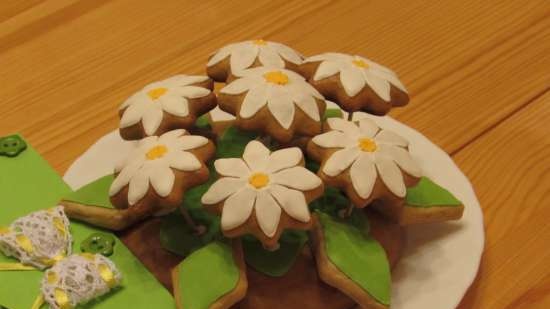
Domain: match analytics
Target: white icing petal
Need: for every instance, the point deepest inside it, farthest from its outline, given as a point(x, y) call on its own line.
point(282, 108)
point(348, 127)
point(368, 127)
point(232, 167)
point(390, 77)
point(297, 178)
point(243, 57)
point(284, 158)
point(363, 175)
point(270, 58)
point(308, 105)
point(256, 155)
point(288, 53)
point(237, 86)
point(132, 114)
point(326, 69)
point(139, 185)
point(340, 161)
point(168, 137)
point(175, 106)
point(402, 158)
point(221, 189)
point(151, 120)
point(218, 56)
point(189, 142)
point(192, 92)
point(268, 213)
point(255, 99)
point(237, 208)
point(332, 139)
point(390, 138)
point(162, 180)
point(391, 176)
point(292, 201)
point(184, 161)
point(123, 178)
point(378, 85)
point(352, 80)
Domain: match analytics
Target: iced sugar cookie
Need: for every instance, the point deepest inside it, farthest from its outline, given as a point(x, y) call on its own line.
point(173, 103)
point(276, 102)
point(233, 58)
point(263, 193)
point(355, 83)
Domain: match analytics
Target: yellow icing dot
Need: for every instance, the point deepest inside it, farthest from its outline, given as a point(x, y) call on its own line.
point(258, 180)
point(4, 230)
point(360, 63)
point(107, 275)
point(25, 243)
point(259, 42)
point(156, 93)
point(156, 152)
point(51, 277)
point(367, 145)
point(62, 299)
point(276, 77)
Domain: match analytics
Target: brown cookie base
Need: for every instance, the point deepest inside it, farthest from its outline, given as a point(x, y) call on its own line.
point(366, 100)
point(221, 71)
point(408, 215)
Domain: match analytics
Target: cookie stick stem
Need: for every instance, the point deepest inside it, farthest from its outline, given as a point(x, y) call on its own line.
point(199, 229)
point(109, 218)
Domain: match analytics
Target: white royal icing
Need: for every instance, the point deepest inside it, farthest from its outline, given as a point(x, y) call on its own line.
point(152, 162)
point(171, 96)
point(279, 98)
point(243, 54)
point(385, 159)
point(39, 238)
point(281, 189)
point(355, 73)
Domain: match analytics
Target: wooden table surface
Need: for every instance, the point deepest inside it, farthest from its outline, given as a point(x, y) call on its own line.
point(478, 73)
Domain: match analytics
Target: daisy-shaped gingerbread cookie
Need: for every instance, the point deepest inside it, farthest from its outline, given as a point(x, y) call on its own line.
point(355, 83)
point(263, 193)
point(277, 102)
point(233, 58)
point(155, 176)
point(367, 162)
point(174, 103)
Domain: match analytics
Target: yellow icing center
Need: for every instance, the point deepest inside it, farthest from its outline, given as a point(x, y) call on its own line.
point(258, 180)
point(156, 93)
point(276, 77)
point(259, 42)
point(367, 145)
point(156, 152)
point(360, 63)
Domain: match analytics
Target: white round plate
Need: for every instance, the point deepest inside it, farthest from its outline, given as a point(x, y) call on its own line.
point(441, 260)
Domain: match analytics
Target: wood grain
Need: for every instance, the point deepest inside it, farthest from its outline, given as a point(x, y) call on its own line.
point(477, 71)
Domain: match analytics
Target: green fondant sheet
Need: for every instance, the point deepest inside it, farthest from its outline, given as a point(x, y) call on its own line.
point(359, 257)
point(27, 184)
point(332, 113)
point(429, 194)
point(274, 263)
point(95, 193)
point(206, 275)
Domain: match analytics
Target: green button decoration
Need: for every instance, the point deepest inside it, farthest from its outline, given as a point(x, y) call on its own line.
point(12, 146)
point(101, 243)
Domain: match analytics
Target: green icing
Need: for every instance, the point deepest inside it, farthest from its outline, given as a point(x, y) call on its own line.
point(429, 194)
point(359, 257)
point(202, 122)
point(276, 263)
point(232, 142)
point(206, 275)
point(332, 113)
point(95, 193)
point(27, 184)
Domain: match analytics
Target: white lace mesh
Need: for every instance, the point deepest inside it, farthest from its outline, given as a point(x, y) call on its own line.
point(39, 238)
point(80, 278)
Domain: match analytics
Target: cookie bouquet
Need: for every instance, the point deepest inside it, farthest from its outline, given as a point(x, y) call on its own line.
point(285, 161)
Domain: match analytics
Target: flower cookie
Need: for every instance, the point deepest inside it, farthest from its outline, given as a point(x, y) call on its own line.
point(39, 239)
point(159, 171)
point(263, 193)
point(367, 162)
point(79, 279)
point(174, 103)
point(354, 82)
point(233, 58)
point(277, 102)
